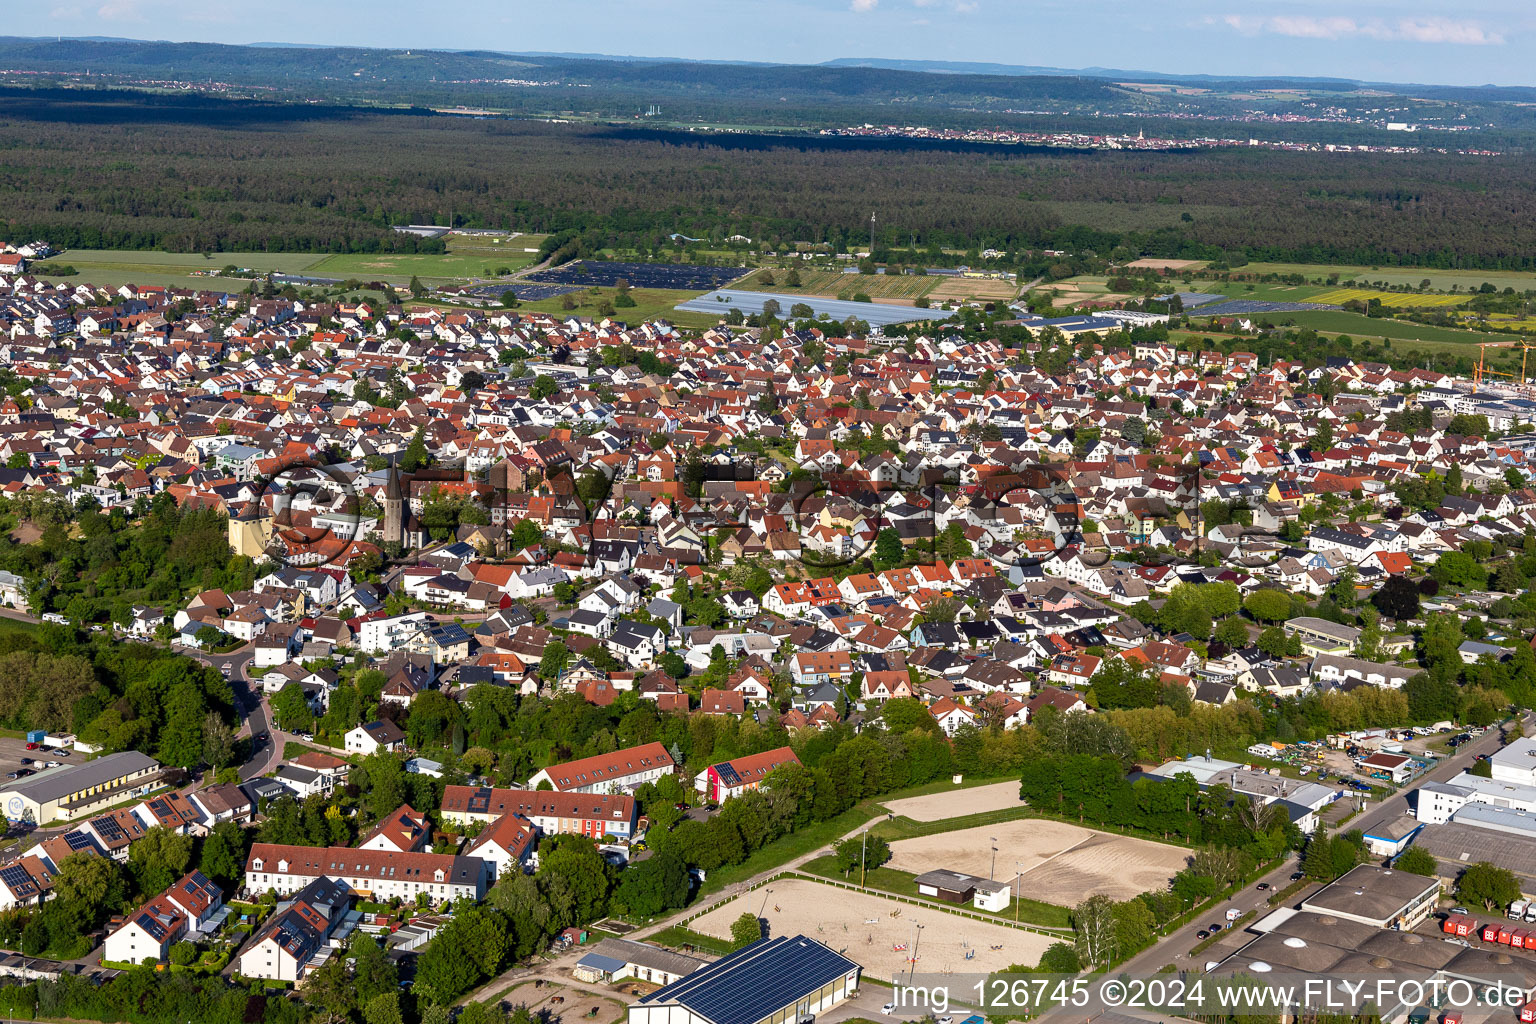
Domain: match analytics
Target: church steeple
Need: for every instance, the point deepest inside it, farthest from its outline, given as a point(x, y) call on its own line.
point(394, 510)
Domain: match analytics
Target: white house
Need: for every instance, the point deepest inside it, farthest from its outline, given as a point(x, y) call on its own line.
point(373, 737)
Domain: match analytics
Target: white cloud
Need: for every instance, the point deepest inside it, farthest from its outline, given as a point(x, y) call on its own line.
point(1415, 30)
point(119, 10)
point(863, 6)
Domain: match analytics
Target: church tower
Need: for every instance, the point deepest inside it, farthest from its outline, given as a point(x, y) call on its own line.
point(394, 510)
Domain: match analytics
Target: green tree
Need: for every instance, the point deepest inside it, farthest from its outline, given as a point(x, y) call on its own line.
point(543, 387)
point(222, 857)
point(1482, 883)
point(1268, 605)
point(1416, 861)
point(556, 657)
point(158, 858)
point(745, 930)
point(888, 547)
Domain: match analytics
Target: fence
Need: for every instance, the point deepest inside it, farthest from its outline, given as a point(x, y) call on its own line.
point(1055, 933)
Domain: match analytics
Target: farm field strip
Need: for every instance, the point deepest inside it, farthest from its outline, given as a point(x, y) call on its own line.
point(1339, 296)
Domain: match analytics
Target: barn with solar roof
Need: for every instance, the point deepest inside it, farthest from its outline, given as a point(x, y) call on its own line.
point(773, 981)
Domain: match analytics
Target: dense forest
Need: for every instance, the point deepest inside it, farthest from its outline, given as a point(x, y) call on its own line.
point(335, 183)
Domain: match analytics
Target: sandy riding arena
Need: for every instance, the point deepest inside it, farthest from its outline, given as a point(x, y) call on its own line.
point(958, 803)
point(1060, 863)
point(866, 927)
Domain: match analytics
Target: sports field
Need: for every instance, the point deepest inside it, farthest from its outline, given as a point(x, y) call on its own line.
point(868, 928)
point(467, 257)
point(1339, 296)
point(1059, 862)
point(958, 803)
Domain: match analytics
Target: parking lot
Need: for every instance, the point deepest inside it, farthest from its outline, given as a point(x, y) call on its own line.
point(13, 752)
point(605, 274)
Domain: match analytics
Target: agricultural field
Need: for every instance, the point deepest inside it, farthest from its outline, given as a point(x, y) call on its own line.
point(112, 268)
point(877, 931)
point(1171, 265)
point(982, 289)
point(1265, 292)
point(650, 303)
point(1058, 862)
point(1439, 280)
point(466, 258)
point(1339, 296)
point(1358, 325)
point(832, 283)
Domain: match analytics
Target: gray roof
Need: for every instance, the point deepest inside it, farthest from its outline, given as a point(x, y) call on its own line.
point(57, 784)
point(756, 981)
point(642, 954)
point(1371, 893)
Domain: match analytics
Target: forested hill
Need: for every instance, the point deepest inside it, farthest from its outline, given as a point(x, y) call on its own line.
point(437, 76)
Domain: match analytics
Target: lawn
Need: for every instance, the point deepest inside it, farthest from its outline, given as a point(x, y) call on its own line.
point(466, 258)
point(677, 936)
point(904, 883)
point(8, 625)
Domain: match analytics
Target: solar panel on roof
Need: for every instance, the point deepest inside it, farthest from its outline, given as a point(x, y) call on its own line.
point(15, 878)
point(757, 981)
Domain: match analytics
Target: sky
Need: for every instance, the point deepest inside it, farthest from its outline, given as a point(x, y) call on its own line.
point(1470, 43)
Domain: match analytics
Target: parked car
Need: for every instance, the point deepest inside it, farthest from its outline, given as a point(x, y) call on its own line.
point(1202, 934)
point(888, 1009)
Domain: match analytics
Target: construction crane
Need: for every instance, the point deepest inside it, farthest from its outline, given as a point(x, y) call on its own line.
point(1482, 370)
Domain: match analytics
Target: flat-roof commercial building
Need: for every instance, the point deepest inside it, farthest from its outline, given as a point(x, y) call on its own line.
point(772, 981)
point(76, 790)
point(1379, 897)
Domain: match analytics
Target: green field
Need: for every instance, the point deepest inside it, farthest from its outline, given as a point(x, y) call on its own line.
point(650, 304)
point(1267, 292)
point(1439, 280)
point(1358, 325)
point(833, 283)
point(466, 258)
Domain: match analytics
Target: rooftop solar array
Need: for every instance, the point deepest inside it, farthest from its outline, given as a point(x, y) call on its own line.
point(78, 840)
point(727, 774)
point(756, 982)
point(876, 314)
